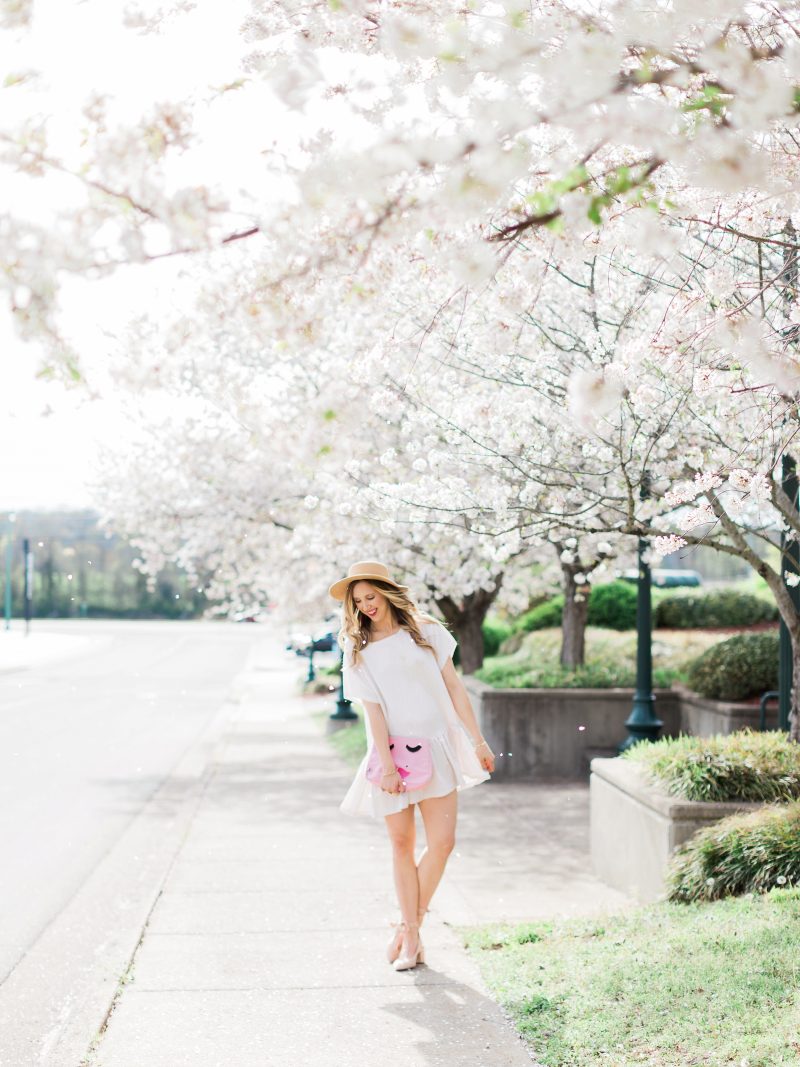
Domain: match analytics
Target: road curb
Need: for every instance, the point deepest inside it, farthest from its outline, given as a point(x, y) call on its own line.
point(99, 930)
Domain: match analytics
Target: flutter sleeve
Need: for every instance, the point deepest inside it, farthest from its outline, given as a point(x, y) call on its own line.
point(356, 682)
point(443, 642)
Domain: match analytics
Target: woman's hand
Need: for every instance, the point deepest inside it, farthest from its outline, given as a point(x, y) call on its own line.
point(485, 755)
point(392, 782)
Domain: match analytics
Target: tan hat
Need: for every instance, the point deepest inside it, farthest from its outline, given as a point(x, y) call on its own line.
point(366, 569)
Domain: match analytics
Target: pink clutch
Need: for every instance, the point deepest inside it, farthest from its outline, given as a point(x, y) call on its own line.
point(412, 757)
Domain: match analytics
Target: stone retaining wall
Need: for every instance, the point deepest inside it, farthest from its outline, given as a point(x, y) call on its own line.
point(540, 734)
point(635, 827)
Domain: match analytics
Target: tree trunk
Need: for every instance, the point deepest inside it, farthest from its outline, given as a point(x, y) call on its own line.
point(465, 618)
point(794, 717)
point(573, 622)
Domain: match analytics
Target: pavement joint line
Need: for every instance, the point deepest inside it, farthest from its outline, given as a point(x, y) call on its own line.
point(123, 982)
point(262, 933)
point(446, 984)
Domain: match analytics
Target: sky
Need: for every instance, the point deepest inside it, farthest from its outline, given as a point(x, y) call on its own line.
point(51, 436)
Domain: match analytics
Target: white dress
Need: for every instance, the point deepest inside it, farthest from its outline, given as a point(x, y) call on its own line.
point(407, 682)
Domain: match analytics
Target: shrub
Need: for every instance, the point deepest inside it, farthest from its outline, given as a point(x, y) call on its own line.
point(745, 765)
point(542, 616)
point(598, 674)
point(725, 607)
point(494, 633)
point(613, 605)
point(743, 666)
point(748, 853)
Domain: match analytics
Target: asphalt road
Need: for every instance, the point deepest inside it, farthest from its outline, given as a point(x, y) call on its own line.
point(86, 740)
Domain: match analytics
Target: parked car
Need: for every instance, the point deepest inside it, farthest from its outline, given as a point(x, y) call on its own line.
point(320, 641)
point(250, 616)
point(666, 578)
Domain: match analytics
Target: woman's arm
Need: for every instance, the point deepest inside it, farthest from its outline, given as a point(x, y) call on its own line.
point(380, 733)
point(461, 702)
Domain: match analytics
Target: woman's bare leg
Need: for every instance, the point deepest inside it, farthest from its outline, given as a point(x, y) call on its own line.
point(439, 816)
point(402, 834)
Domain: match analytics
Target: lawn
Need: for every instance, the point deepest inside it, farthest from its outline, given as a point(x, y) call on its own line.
point(610, 658)
point(350, 741)
point(666, 985)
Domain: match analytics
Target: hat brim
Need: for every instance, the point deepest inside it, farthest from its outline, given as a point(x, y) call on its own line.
point(339, 589)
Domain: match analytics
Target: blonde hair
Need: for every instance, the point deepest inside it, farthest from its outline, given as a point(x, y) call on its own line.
point(357, 626)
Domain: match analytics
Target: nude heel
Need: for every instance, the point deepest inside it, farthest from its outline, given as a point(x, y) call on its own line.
point(421, 954)
point(395, 944)
point(404, 963)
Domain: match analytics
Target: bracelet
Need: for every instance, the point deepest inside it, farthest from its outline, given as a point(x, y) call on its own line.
point(480, 743)
point(387, 773)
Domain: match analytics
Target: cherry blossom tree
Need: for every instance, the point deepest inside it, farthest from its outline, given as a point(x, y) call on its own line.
point(442, 147)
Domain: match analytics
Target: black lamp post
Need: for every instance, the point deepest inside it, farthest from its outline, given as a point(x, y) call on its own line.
point(642, 723)
point(344, 711)
point(790, 555)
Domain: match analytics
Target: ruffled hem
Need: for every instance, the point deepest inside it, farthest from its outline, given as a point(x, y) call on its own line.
point(455, 766)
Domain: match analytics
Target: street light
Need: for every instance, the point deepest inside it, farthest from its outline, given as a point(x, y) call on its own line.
point(642, 723)
point(344, 712)
point(790, 562)
point(9, 552)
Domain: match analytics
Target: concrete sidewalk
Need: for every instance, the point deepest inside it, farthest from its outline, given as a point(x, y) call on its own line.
point(265, 947)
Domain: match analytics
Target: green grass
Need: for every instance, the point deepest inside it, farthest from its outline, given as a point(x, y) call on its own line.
point(667, 985)
point(610, 659)
point(745, 765)
point(349, 741)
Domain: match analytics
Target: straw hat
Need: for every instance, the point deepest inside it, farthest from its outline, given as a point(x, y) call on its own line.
point(366, 569)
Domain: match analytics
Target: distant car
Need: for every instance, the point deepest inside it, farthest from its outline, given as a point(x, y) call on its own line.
point(303, 643)
point(249, 616)
point(325, 642)
point(665, 578)
point(298, 642)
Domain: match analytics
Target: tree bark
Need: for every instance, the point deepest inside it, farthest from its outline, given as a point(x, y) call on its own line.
point(794, 717)
point(573, 622)
point(465, 618)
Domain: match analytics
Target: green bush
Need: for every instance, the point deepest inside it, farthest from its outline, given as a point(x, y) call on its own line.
point(725, 607)
point(613, 606)
point(745, 765)
point(515, 674)
point(749, 853)
point(494, 633)
point(743, 666)
point(542, 616)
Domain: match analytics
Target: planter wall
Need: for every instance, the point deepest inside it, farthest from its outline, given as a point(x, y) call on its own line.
point(540, 734)
point(703, 717)
point(635, 827)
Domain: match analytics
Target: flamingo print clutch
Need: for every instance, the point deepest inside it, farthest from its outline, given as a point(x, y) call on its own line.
point(412, 757)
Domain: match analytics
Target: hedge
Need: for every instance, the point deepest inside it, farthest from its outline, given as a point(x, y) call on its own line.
point(749, 853)
point(744, 765)
point(613, 606)
point(745, 665)
point(494, 633)
point(722, 608)
point(542, 616)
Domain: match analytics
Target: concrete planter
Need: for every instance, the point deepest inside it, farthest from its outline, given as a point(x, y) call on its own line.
point(702, 717)
point(636, 827)
point(540, 734)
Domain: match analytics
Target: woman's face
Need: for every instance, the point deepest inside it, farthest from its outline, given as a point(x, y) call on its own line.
point(373, 604)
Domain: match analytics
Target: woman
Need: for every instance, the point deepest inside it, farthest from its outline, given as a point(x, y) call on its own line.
point(397, 662)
